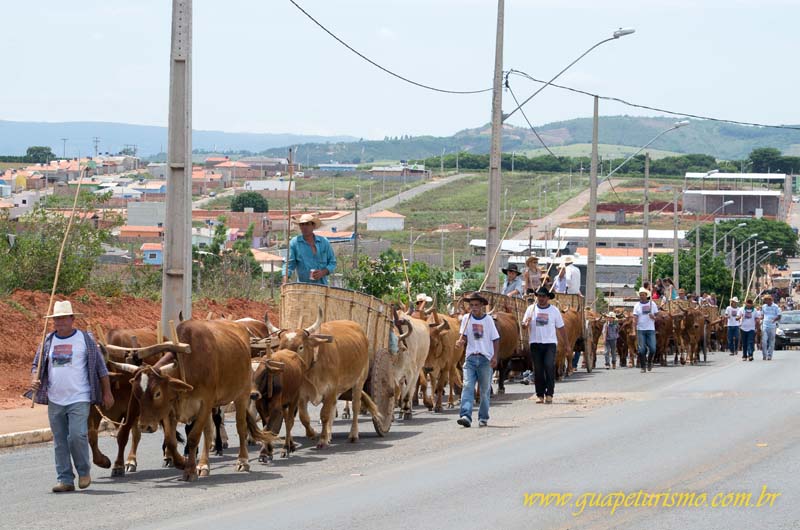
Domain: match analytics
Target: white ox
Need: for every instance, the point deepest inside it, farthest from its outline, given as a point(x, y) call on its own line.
point(414, 345)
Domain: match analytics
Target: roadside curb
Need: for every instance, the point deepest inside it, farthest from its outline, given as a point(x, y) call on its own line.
point(14, 439)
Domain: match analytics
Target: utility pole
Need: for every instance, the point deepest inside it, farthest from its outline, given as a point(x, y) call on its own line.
point(646, 238)
point(441, 163)
point(355, 235)
point(697, 255)
point(591, 261)
point(495, 182)
point(675, 247)
point(456, 162)
point(96, 141)
point(176, 293)
point(64, 148)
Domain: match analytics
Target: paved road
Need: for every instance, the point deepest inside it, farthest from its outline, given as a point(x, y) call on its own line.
point(200, 203)
point(724, 426)
point(346, 222)
point(537, 227)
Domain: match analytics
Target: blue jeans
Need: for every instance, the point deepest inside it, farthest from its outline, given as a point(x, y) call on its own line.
point(748, 343)
point(733, 339)
point(70, 427)
point(768, 342)
point(476, 368)
point(647, 342)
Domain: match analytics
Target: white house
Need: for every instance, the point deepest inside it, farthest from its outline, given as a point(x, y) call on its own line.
point(269, 184)
point(385, 221)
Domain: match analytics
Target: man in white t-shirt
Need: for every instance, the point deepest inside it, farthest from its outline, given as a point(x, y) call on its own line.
point(545, 328)
point(572, 275)
point(73, 376)
point(747, 316)
point(479, 335)
point(644, 317)
point(732, 314)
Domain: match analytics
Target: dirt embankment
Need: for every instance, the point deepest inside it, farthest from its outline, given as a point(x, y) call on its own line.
point(22, 326)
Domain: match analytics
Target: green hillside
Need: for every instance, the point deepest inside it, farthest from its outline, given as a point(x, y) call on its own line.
point(605, 151)
point(723, 141)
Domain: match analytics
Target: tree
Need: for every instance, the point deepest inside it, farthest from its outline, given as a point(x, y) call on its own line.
point(765, 159)
point(715, 276)
point(39, 154)
point(249, 199)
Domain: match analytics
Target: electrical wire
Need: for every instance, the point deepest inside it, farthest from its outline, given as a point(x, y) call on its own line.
point(655, 109)
point(373, 63)
point(508, 86)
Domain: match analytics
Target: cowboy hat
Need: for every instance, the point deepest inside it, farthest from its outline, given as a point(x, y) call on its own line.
point(534, 259)
point(643, 290)
point(735, 299)
point(476, 296)
point(62, 309)
point(568, 260)
point(511, 268)
point(543, 291)
point(422, 297)
point(611, 314)
point(307, 218)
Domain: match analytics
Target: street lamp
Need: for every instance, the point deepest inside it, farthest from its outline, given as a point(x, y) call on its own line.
point(697, 247)
point(714, 248)
point(677, 125)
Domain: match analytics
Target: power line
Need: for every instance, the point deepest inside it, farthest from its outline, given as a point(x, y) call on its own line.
point(373, 63)
point(655, 109)
point(508, 86)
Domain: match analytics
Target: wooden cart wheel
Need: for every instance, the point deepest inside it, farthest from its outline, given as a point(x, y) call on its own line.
point(381, 389)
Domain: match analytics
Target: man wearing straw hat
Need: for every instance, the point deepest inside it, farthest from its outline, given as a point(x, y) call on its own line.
point(769, 316)
point(310, 254)
point(732, 314)
point(73, 377)
point(573, 276)
point(644, 318)
point(545, 328)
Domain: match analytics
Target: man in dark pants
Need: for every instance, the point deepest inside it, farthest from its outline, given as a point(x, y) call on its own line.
point(545, 329)
point(644, 317)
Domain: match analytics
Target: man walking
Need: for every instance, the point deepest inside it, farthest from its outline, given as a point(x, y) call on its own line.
point(644, 317)
point(513, 286)
point(770, 315)
point(545, 329)
point(747, 320)
point(482, 340)
point(73, 377)
point(732, 314)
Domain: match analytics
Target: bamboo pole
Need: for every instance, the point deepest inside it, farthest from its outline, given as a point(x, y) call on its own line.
point(408, 283)
point(42, 353)
point(496, 251)
point(288, 216)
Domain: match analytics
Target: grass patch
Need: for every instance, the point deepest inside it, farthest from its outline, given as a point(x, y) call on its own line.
point(21, 308)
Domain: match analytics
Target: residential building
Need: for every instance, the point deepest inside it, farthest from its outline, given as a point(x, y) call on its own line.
point(753, 194)
point(385, 221)
point(620, 237)
point(147, 213)
point(152, 253)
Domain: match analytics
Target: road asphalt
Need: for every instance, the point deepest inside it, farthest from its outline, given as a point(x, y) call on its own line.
point(723, 427)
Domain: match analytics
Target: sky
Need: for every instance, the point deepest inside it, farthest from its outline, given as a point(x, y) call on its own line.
point(265, 67)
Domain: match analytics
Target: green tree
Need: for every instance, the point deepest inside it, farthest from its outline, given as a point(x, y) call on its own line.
point(30, 262)
point(39, 154)
point(715, 276)
point(249, 199)
point(765, 159)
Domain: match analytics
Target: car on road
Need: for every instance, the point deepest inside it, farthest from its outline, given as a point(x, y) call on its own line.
point(783, 267)
point(788, 332)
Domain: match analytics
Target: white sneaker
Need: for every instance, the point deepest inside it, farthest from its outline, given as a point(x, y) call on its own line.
point(483, 423)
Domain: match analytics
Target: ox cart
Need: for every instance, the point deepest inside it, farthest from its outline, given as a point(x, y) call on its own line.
point(300, 303)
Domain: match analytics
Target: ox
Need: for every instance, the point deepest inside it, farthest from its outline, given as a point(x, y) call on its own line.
point(217, 372)
point(276, 392)
point(442, 361)
point(573, 328)
point(508, 328)
point(338, 361)
point(414, 347)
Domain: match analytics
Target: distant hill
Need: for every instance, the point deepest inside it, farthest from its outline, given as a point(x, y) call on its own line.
point(16, 137)
point(620, 134)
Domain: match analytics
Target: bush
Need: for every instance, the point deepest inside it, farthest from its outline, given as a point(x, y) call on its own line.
point(249, 199)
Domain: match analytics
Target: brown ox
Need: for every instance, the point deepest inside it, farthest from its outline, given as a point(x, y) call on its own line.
point(338, 360)
point(217, 372)
point(573, 327)
point(443, 357)
point(627, 343)
point(665, 335)
point(692, 331)
point(595, 323)
point(276, 394)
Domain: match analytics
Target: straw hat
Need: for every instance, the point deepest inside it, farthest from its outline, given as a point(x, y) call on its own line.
point(735, 299)
point(62, 309)
point(611, 314)
point(422, 297)
point(532, 259)
point(643, 290)
point(307, 218)
point(568, 260)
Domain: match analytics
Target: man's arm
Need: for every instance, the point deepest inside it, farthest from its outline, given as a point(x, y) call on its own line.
point(108, 397)
point(330, 266)
point(561, 334)
point(496, 346)
point(290, 264)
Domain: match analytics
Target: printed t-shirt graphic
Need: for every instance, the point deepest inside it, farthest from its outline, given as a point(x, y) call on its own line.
point(62, 355)
point(477, 330)
point(542, 319)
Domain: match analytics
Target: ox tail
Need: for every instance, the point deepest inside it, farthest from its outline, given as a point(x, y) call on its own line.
point(257, 434)
point(371, 406)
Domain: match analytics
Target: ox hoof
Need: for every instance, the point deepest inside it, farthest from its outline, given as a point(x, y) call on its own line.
point(118, 471)
point(131, 467)
point(168, 463)
point(501, 390)
point(103, 462)
point(189, 476)
point(204, 471)
point(352, 439)
point(224, 445)
point(437, 408)
point(265, 459)
point(407, 415)
point(218, 453)
point(311, 434)
point(322, 445)
point(242, 467)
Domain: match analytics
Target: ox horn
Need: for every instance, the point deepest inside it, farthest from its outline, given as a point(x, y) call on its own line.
point(123, 367)
point(408, 327)
point(430, 309)
point(317, 323)
point(270, 327)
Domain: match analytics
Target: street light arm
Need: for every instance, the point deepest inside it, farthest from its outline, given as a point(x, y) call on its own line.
point(617, 34)
point(645, 146)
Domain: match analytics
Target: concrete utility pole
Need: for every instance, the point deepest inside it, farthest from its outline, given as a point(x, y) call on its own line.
point(591, 261)
point(495, 181)
point(176, 293)
point(96, 141)
point(697, 256)
point(64, 148)
point(646, 238)
point(675, 247)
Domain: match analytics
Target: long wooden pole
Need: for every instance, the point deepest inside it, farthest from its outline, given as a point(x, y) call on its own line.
point(288, 215)
point(408, 283)
point(42, 353)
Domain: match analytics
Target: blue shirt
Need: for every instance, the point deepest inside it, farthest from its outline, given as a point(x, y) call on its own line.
point(302, 259)
point(514, 285)
point(769, 312)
